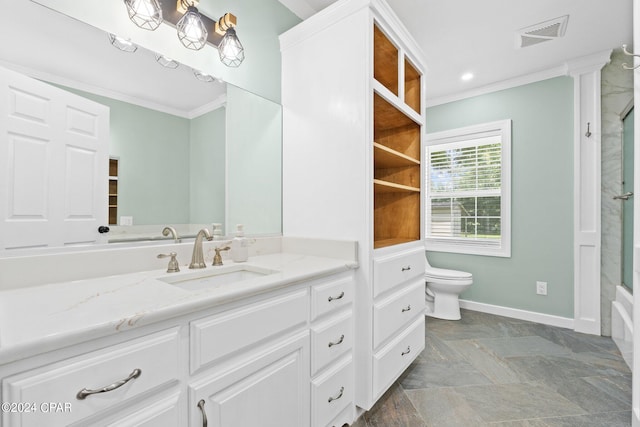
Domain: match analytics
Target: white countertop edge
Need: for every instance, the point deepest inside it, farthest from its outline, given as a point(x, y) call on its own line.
point(192, 302)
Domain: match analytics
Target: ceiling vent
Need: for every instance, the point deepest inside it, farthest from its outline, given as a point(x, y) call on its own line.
point(542, 32)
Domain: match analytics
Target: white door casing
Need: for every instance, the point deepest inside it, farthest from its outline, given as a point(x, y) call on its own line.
point(53, 165)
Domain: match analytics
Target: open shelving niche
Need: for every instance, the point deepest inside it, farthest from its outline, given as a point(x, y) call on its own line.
point(396, 145)
point(113, 191)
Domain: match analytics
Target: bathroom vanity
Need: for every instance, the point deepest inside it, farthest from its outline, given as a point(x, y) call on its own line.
point(268, 342)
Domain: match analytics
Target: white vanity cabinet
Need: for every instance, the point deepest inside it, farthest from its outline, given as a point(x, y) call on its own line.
point(104, 381)
point(258, 356)
point(279, 358)
point(352, 85)
point(332, 340)
point(267, 388)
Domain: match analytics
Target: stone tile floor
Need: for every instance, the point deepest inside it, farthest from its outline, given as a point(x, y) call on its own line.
point(493, 371)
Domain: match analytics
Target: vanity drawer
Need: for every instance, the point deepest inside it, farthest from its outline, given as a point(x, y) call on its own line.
point(327, 297)
point(399, 309)
point(394, 358)
point(392, 270)
point(331, 340)
point(155, 356)
point(331, 393)
point(228, 332)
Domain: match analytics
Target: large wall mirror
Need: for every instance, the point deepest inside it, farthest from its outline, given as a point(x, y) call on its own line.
point(189, 152)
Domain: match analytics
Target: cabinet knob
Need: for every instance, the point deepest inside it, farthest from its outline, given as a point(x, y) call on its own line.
point(408, 267)
point(407, 351)
point(407, 308)
point(204, 414)
point(84, 393)
point(103, 229)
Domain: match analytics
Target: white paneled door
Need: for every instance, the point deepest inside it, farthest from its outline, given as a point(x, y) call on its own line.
point(53, 165)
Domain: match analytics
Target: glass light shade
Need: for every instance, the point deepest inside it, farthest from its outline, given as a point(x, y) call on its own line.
point(191, 30)
point(166, 62)
point(203, 77)
point(122, 44)
point(146, 14)
point(230, 49)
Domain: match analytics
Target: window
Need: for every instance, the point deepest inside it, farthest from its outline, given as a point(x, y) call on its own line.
point(468, 180)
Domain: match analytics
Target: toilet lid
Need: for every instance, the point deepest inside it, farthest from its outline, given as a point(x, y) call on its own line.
point(441, 273)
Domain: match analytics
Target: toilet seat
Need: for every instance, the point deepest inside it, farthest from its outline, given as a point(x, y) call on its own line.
point(441, 274)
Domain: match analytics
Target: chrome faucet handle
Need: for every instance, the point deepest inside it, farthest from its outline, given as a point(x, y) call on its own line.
point(173, 266)
point(170, 230)
point(217, 258)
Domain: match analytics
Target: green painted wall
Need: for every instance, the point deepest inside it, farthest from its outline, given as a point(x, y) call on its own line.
point(207, 170)
point(254, 156)
point(153, 148)
point(541, 199)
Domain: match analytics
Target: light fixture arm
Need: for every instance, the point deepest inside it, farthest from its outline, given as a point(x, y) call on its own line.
point(225, 22)
point(183, 5)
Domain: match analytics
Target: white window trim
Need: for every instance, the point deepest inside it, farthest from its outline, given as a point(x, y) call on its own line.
point(503, 129)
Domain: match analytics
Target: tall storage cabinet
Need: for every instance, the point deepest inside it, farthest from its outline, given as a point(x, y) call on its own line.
point(352, 84)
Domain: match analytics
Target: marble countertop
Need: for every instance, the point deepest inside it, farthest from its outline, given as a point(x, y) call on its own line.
point(37, 319)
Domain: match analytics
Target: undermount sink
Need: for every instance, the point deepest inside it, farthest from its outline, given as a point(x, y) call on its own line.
point(212, 277)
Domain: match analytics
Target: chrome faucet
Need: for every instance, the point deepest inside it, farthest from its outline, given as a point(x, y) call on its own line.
point(197, 259)
point(170, 230)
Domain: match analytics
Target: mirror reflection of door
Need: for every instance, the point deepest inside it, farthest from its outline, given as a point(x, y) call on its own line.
point(627, 205)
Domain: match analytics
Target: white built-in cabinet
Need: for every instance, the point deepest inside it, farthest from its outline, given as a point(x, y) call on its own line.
point(352, 85)
point(280, 359)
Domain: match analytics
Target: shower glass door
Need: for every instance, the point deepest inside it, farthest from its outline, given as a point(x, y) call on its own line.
point(627, 205)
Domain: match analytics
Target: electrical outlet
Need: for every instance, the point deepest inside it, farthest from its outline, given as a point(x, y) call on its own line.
point(541, 288)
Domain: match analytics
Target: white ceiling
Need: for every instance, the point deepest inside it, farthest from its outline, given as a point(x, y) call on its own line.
point(479, 36)
point(457, 36)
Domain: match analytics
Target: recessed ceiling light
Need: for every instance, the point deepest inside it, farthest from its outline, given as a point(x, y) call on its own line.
point(466, 77)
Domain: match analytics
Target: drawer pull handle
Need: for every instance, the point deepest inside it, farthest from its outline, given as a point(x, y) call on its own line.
point(331, 398)
point(334, 298)
point(408, 267)
point(331, 344)
point(407, 351)
point(204, 414)
point(82, 394)
point(408, 308)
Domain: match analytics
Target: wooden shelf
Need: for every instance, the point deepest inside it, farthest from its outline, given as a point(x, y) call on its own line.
point(383, 243)
point(385, 157)
point(113, 191)
point(396, 145)
point(380, 186)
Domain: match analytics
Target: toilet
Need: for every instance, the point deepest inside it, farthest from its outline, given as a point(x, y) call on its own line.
point(442, 290)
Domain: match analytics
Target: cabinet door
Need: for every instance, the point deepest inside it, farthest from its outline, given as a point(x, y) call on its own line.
point(270, 389)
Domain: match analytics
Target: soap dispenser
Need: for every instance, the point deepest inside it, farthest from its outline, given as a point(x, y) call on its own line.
point(239, 246)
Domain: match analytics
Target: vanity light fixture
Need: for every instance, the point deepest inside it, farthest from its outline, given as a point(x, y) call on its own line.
point(191, 31)
point(194, 29)
point(166, 62)
point(230, 49)
point(124, 45)
point(146, 14)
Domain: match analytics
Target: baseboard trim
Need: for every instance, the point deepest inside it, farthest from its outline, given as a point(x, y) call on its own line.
point(531, 316)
